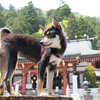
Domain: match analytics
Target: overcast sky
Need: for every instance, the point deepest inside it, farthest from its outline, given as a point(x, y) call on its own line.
point(85, 7)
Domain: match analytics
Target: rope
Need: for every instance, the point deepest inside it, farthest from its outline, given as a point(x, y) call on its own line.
point(23, 79)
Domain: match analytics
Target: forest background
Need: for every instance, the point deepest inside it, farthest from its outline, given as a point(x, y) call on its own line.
point(27, 20)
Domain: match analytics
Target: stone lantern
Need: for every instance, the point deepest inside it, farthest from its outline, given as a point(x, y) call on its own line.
point(98, 79)
point(86, 90)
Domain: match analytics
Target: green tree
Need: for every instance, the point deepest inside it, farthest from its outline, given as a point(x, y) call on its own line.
point(64, 24)
point(49, 13)
point(64, 12)
point(31, 18)
point(17, 25)
point(2, 20)
point(91, 24)
point(11, 13)
point(1, 7)
point(60, 13)
point(38, 34)
point(52, 13)
point(10, 22)
point(89, 73)
point(97, 32)
point(11, 7)
point(82, 27)
point(72, 26)
point(41, 17)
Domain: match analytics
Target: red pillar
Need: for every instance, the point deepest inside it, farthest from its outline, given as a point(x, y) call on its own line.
point(24, 84)
point(93, 64)
point(24, 74)
point(64, 81)
point(74, 67)
point(63, 64)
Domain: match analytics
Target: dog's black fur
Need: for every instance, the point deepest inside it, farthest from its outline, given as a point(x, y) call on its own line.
point(12, 45)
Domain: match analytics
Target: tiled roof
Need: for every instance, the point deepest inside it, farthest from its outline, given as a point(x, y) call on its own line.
point(81, 48)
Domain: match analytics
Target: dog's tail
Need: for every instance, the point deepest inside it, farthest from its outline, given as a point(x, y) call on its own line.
point(4, 31)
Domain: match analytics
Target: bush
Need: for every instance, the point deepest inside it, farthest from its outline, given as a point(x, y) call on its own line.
point(89, 73)
point(38, 34)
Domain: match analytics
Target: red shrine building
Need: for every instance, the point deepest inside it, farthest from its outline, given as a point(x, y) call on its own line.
point(78, 55)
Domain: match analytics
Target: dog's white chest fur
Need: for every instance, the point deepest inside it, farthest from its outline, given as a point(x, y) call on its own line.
point(54, 60)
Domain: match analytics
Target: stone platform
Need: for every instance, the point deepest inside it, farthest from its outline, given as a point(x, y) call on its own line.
point(34, 98)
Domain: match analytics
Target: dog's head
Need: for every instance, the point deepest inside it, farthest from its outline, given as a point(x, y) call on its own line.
point(52, 35)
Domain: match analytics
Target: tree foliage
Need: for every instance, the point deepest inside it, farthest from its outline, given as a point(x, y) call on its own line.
point(11, 7)
point(41, 17)
point(10, 14)
point(64, 12)
point(27, 20)
point(82, 27)
point(89, 73)
point(1, 7)
point(60, 13)
point(92, 29)
point(2, 20)
point(31, 18)
point(72, 26)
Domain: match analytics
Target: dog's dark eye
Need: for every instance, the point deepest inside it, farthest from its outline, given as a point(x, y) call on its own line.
point(51, 35)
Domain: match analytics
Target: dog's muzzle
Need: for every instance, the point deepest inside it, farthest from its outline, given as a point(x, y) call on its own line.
point(41, 42)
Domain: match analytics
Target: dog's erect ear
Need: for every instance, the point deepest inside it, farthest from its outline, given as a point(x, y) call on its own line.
point(55, 23)
point(42, 28)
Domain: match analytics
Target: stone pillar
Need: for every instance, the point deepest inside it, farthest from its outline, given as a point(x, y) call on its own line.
point(74, 84)
point(28, 79)
point(75, 94)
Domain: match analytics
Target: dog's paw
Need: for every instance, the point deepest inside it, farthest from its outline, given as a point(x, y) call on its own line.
point(43, 94)
point(51, 93)
point(15, 94)
point(19, 94)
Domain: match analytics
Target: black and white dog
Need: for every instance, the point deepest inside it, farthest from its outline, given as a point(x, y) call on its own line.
point(13, 45)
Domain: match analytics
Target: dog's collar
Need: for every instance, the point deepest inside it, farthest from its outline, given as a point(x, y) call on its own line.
point(41, 51)
point(60, 56)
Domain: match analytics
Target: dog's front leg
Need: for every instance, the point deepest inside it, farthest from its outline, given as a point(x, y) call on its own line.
point(40, 79)
point(41, 70)
point(50, 75)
